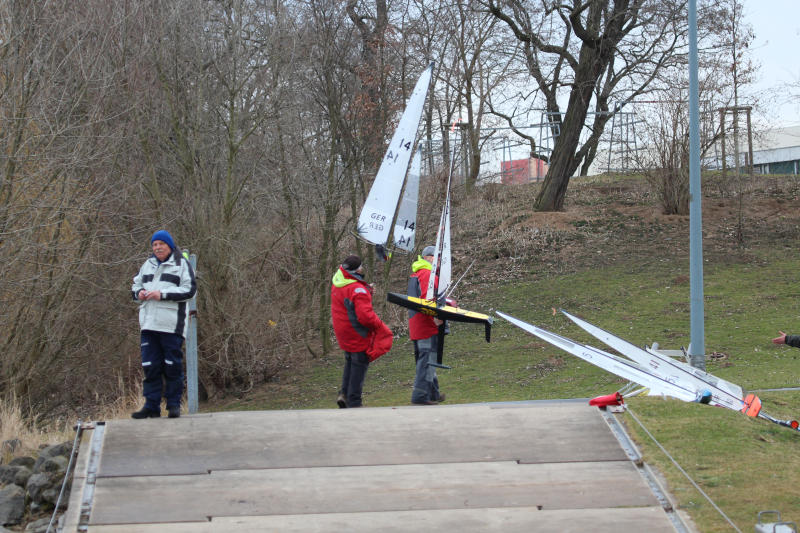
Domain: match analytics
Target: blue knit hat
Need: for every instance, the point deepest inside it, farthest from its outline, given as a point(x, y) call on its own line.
point(164, 236)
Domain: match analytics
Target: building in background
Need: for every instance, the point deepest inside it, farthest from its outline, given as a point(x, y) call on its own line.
point(777, 151)
point(522, 171)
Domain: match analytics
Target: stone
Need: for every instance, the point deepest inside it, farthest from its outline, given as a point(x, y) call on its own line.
point(65, 448)
point(48, 452)
point(12, 505)
point(37, 484)
point(51, 495)
point(22, 477)
point(39, 526)
point(16, 474)
point(56, 464)
point(8, 473)
point(25, 461)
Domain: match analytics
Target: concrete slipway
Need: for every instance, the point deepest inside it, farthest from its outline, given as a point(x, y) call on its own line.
point(521, 467)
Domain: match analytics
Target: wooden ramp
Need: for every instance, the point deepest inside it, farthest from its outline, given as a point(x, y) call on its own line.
point(523, 467)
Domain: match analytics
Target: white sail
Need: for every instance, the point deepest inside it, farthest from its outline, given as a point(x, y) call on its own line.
point(623, 368)
point(442, 261)
point(376, 216)
point(406, 222)
point(654, 384)
point(445, 257)
point(731, 388)
point(722, 392)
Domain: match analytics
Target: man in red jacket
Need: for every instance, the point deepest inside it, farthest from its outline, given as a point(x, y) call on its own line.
point(424, 332)
point(356, 326)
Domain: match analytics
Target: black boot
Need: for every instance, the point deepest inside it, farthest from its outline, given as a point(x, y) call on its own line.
point(144, 412)
point(174, 411)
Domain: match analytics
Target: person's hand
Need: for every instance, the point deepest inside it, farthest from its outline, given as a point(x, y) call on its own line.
point(781, 339)
point(438, 322)
point(149, 295)
point(142, 295)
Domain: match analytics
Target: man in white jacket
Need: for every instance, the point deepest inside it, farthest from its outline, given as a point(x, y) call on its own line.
point(164, 285)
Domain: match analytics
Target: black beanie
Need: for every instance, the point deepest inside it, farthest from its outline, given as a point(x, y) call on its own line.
point(351, 263)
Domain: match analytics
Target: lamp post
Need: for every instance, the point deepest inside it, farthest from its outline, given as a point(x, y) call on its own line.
point(697, 349)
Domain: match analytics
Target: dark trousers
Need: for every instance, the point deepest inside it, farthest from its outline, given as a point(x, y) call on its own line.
point(162, 360)
point(426, 382)
point(355, 370)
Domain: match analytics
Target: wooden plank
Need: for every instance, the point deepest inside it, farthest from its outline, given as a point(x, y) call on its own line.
point(500, 520)
point(356, 489)
point(289, 439)
point(72, 514)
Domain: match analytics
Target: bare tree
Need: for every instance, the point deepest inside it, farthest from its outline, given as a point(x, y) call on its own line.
point(219, 66)
point(724, 69)
point(60, 205)
point(735, 37)
point(478, 47)
point(588, 51)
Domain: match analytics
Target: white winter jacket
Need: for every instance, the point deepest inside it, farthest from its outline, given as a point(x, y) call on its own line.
point(174, 278)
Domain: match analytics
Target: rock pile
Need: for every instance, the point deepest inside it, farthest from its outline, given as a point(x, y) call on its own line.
point(29, 486)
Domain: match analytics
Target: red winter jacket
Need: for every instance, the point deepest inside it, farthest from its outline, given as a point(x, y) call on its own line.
point(380, 342)
point(420, 325)
point(354, 321)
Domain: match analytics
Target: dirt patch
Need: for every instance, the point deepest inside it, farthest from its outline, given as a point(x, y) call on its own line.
point(605, 223)
point(562, 221)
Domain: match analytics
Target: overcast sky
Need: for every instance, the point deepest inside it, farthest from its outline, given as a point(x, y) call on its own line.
point(776, 24)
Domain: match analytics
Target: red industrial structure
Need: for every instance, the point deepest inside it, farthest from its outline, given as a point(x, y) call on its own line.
point(522, 170)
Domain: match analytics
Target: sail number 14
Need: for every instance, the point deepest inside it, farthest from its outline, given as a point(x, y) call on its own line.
point(392, 155)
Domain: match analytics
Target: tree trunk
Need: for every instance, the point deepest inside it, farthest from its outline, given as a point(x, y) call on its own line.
point(562, 161)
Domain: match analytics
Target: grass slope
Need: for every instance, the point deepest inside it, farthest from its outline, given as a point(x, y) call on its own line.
point(612, 259)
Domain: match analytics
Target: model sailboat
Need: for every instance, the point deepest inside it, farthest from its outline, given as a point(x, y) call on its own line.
point(378, 213)
point(655, 373)
point(721, 392)
point(435, 302)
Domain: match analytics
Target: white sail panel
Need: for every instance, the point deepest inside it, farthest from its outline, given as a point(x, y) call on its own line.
point(722, 393)
point(616, 365)
point(731, 388)
point(406, 222)
point(442, 262)
point(442, 259)
point(375, 220)
point(446, 268)
point(430, 293)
